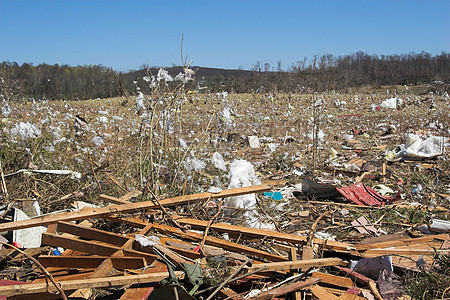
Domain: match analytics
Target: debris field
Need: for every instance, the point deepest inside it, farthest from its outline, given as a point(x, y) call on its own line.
point(227, 196)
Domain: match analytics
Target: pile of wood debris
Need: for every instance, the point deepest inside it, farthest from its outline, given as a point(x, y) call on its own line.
point(177, 257)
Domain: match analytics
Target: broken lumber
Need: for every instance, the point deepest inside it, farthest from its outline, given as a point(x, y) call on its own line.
point(333, 279)
point(91, 247)
point(34, 288)
point(322, 294)
point(227, 245)
point(91, 233)
point(92, 261)
point(260, 233)
point(130, 207)
point(362, 279)
point(285, 289)
point(400, 242)
point(299, 264)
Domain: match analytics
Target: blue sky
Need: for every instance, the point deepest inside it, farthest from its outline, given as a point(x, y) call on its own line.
point(226, 34)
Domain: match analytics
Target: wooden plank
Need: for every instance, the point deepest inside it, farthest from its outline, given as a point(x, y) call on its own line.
point(333, 279)
point(188, 249)
point(89, 246)
point(355, 275)
point(322, 294)
point(400, 242)
point(91, 261)
point(300, 264)
point(344, 294)
point(260, 233)
point(34, 288)
point(129, 207)
point(404, 252)
point(293, 256)
point(78, 245)
point(285, 289)
point(227, 245)
point(64, 274)
point(91, 233)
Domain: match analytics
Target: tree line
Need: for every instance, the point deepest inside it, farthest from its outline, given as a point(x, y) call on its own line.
point(320, 73)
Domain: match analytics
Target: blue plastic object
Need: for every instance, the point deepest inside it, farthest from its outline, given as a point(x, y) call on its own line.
point(274, 195)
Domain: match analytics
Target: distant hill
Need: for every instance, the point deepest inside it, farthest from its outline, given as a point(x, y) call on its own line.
point(215, 79)
point(201, 73)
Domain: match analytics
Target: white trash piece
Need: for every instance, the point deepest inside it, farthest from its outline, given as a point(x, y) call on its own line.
point(147, 240)
point(416, 147)
point(253, 141)
point(242, 174)
point(29, 237)
point(25, 130)
point(217, 160)
point(392, 103)
point(440, 226)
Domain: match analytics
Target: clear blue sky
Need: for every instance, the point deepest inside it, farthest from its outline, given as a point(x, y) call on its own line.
point(227, 34)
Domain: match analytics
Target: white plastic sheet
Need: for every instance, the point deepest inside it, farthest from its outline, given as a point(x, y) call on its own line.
point(416, 147)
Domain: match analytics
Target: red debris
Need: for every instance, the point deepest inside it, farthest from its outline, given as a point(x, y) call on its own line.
point(363, 195)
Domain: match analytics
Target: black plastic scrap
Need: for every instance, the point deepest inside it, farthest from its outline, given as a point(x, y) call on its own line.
point(316, 189)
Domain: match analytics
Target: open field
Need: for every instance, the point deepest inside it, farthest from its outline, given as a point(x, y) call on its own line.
point(115, 139)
